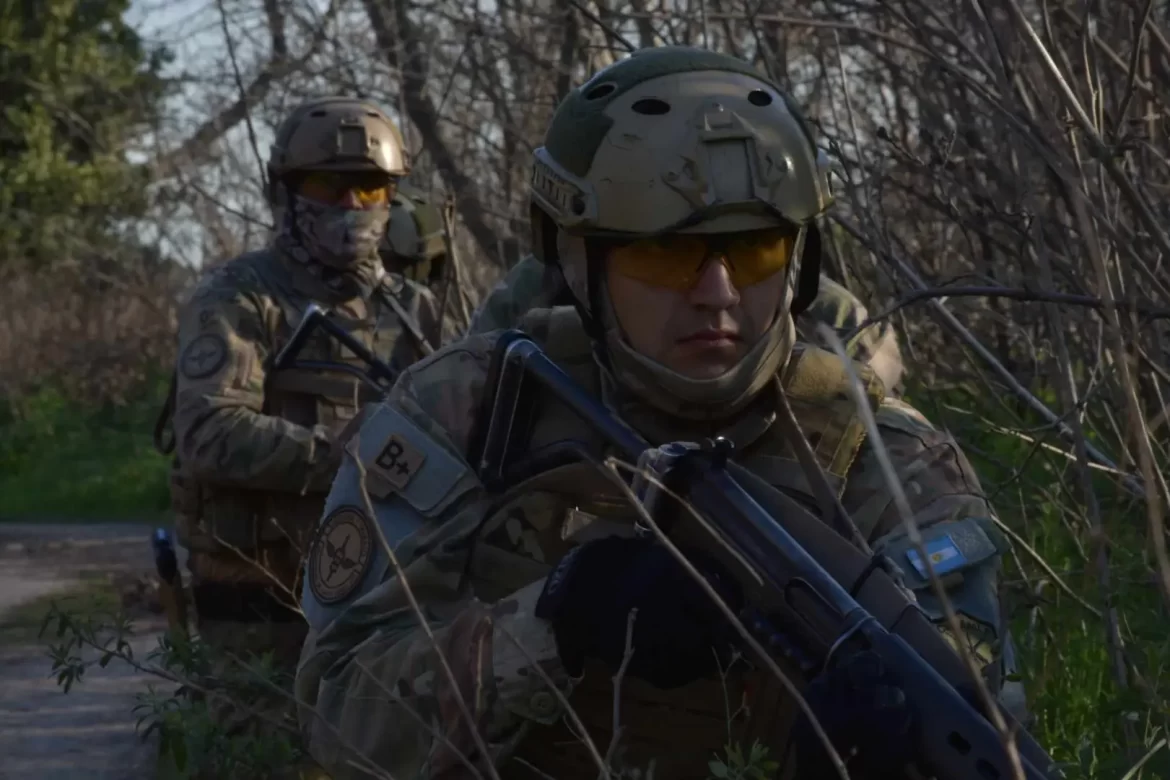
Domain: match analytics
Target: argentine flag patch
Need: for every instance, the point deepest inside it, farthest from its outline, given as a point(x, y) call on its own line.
point(944, 555)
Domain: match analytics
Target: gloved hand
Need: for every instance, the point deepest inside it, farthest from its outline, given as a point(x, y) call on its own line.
point(860, 706)
point(677, 630)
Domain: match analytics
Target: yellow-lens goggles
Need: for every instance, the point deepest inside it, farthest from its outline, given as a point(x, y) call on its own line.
point(677, 261)
point(369, 189)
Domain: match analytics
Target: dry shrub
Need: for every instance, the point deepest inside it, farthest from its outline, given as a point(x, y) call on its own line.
point(95, 338)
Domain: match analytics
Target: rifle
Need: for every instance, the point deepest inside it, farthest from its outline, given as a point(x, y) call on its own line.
point(811, 595)
point(379, 375)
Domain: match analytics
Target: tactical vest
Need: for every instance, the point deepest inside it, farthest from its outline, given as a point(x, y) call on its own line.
point(679, 730)
point(210, 515)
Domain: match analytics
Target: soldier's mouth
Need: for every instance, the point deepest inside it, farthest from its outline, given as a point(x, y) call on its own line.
point(711, 337)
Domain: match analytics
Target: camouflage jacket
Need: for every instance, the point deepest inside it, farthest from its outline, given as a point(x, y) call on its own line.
point(528, 285)
point(243, 431)
point(375, 689)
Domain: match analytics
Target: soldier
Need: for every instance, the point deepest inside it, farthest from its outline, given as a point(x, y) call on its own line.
point(257, 448)
point(530, 285)
point(677, 191)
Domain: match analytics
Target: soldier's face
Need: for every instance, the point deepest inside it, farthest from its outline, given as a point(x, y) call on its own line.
point(701, 332)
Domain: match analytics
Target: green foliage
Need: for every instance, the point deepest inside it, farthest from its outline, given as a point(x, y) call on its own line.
point(1089, 721)
point(215, 717)
point(79, 85)
point(62, 460)
point(22, 624)
point(754, 765)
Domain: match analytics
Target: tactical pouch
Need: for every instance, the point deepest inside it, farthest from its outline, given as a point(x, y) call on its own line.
point(226, 517)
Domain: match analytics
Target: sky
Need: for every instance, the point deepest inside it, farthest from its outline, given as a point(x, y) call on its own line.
point(192, 30)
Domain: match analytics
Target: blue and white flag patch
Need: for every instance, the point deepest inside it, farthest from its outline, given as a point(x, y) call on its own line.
point(944, 555)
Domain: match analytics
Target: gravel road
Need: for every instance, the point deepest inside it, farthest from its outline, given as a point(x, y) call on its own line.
point(87, 734)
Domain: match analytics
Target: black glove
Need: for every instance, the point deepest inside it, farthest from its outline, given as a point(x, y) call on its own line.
point(677, 630)
point(860, 706)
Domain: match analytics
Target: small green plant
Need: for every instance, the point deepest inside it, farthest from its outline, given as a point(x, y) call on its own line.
point(214, 715)
point(738, 765)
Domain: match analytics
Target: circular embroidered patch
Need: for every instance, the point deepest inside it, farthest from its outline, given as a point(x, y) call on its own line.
point(204, 356)
point(340, 556)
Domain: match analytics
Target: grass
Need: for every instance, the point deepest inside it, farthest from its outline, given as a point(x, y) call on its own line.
point(64, 461)
point(88, 596)
point(1097, 726)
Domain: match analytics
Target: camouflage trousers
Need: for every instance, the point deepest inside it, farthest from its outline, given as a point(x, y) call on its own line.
point(245, 610)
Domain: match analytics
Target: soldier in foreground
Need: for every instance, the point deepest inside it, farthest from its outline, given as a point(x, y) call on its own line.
point(532, 285)
point(257, 448)
point(678, 192)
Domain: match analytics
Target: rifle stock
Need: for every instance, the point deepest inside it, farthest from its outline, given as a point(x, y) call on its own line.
point(379, 375)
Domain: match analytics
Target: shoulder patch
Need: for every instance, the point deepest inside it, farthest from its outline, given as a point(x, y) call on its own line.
point(398, 462)
point(951, 547)
point(401, 458)
point(340, 555)
point(205, 355)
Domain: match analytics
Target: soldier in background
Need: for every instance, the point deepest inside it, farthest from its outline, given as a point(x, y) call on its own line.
point(257, 448)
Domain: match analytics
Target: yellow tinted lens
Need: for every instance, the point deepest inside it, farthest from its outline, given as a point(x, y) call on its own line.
point(753, 257)
point(668, 261)
point(328, 187)
point(677, 261)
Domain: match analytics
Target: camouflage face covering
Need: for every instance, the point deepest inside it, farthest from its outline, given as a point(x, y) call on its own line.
point(338, 244)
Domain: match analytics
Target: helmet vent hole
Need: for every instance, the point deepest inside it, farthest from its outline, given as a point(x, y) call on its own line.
point(318, 112)
point(651, 106)
point(758, 97)
point(600, 91)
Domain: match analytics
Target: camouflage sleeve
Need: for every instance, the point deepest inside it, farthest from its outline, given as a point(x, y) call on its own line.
point(960, 537)
point(518, 292)
point(371, 686)
point(876, 346)
point(221, 433)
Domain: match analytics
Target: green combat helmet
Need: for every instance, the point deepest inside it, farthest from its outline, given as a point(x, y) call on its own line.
point(678, 140)
point(414, 245)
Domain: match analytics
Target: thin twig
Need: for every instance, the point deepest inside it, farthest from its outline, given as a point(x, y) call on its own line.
point(618, 677)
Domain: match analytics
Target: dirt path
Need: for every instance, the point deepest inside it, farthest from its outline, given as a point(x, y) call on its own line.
point(87, 734)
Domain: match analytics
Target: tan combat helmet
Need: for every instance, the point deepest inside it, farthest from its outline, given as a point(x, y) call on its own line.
point(678, 139)
point(334, 134)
